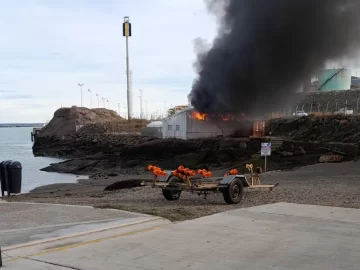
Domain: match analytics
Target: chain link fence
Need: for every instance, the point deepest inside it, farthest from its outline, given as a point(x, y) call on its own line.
point(323, 103)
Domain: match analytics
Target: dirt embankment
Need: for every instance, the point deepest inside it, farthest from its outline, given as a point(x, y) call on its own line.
point(327, 128)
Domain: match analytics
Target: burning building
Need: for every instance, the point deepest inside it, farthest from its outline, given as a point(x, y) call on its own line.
point(191, 124)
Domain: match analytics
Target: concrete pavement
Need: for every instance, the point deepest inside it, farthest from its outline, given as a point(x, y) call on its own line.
point(21, 223)
point(278, 236)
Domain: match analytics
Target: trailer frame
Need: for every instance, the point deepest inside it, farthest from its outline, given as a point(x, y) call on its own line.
point(232, 186)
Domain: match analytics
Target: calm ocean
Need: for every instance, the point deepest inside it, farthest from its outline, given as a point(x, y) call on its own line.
point(15, 144)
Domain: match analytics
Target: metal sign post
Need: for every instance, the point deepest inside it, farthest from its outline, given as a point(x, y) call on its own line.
point(265, 151)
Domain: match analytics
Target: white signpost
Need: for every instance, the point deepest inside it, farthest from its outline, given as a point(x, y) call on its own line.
point(265, 151)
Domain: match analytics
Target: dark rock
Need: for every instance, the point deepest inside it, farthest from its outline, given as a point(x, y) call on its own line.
point(125, 184)
point(286, 154)
point(299, 151)
point(112, 174)
point(330, 158)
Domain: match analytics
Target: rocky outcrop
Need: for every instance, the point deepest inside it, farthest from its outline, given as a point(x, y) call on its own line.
point(332, 128)
point(122, 153)
point(68, 120)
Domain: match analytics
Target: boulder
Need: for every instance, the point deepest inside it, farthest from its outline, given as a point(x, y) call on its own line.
point(330, 158)
point(299, 151)
point(285, 154)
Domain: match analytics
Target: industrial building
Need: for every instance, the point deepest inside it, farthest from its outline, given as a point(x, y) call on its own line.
point(334, 80)
point(190, 124)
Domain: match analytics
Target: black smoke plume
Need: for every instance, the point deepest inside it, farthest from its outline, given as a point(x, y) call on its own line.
point(265, 49)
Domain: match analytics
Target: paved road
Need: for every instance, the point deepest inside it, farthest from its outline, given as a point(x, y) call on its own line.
point(26, 222)
point(278, 236)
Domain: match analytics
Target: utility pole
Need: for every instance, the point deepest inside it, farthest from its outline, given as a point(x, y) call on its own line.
point(90, 98)
point(97, 96)
point(127, 34)
point(108, 104)
point(81, 85)
point(119, 109)
point(146, 111)
point(103, 99)
point(141, 104)
point(164, 109)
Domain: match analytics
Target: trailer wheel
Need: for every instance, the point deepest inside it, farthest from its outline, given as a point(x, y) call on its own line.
point(172, 195)
point(233, 194)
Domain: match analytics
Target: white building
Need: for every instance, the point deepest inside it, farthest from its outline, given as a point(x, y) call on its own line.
point(189, 125)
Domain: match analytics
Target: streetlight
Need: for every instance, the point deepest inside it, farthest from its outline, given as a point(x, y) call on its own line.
point(119, 109)
point(81, 85)
point(127, 34)
point(90, 98)
point(108, 104)
point(146, 111)
point(103, 99)
point(97, 96)
point(141, 106)
point(164, 108)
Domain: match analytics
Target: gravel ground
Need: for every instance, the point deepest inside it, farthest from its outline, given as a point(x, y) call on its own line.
point(320, 184)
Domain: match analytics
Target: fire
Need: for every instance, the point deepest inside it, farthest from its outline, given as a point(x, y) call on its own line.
point(199, 116)
point(224, 117)
point(227, 117)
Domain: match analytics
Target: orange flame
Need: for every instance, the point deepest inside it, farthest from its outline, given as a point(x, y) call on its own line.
point(227, 117)
point(199, 116)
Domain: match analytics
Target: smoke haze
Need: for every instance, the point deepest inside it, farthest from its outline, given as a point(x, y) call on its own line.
point(265, 50)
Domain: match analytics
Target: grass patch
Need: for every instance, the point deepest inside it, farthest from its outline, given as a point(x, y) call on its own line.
point(174, 214)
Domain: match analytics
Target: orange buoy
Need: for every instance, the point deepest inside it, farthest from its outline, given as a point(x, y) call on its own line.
point(150, 167)
point(181, 168)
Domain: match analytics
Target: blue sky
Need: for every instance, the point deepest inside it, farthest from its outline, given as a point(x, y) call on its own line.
point(47, 47)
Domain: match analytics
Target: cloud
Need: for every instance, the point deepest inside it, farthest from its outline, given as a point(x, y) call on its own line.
point(48, 47)
point(17, 96)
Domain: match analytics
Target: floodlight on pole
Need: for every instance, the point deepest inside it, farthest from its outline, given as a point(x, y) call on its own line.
point(97, 96)
point(81, 93)
point(127, 34)
point(90, 98)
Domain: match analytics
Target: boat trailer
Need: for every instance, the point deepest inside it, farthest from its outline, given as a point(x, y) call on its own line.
point(231, 185)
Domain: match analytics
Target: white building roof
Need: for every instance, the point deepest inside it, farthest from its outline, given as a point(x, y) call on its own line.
point(155, 124)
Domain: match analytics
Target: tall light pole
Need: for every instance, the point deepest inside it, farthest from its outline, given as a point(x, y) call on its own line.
point(108, 104)
point(81, 85)
point(146, 111)
point(119, 109)
point(164, 109)
point(90, 98)
point(103, 99)
point(127, 34)
point(141, 104)
point(97, 96)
